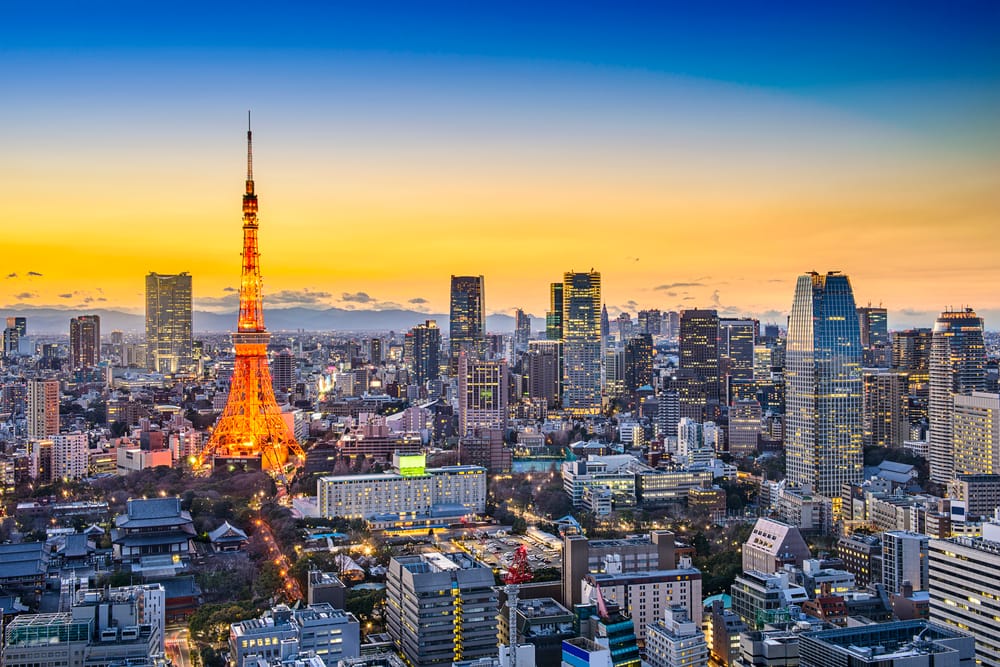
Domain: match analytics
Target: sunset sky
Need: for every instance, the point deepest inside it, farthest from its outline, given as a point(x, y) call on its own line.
point(703, 154)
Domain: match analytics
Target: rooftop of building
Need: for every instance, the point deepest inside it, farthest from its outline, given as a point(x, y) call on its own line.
point(628, 578)
point(436, 561)
point(891, 640)
point(541, 608)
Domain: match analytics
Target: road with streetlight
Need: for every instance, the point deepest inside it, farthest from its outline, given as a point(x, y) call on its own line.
point(175, 642)
point(291, 589)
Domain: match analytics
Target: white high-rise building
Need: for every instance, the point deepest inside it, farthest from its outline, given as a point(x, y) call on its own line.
point(69, 456)
point(976, 433)
point(904, 558)
point(482, 394)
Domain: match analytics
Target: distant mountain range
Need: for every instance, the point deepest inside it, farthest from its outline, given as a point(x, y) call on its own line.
point(56, 320)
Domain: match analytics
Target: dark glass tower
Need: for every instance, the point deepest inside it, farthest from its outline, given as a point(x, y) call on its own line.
point(467, 322)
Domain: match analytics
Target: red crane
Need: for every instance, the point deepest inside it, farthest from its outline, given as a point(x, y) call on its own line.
point(519, 571)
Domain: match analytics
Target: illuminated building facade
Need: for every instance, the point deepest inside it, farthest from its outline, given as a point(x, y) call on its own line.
point(43, 408)
point(737, 339)
point(422, 352)
point(169, 341)
point(699, 354)
point(456, 618)
point(482, 395)
point(957, 366)
point(823, 433)
point(17, 328)
point(554, 315)
point(976, 434)
point(467, 323)
point(85, 341)
point(411, 489)
point(581, 328)
point(251, 432)
point(875, 343)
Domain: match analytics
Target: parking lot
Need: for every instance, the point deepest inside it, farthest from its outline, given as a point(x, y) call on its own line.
point(496, 549)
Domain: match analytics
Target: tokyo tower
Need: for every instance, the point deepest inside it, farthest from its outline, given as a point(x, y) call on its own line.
point(251, 432)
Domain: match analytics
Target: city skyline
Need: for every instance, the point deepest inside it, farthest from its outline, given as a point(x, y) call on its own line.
point(546, 138)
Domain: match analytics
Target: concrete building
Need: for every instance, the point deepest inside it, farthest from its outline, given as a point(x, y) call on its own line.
point(980, 493)
point(169, 341)
point(904, 558)
point(482, 394)
point(965, 588)
point(756, 596)
point(644, 596)
point(85, 341)
point(441, 608)
point(410, 489)
point(581, 337)
point(583, 652)
point(43, 409)
point(283, 633)
point(541, 622)
point(581, 556)
point(676, 641)
point(898, 644)
point(975, 427)
point(70, 456)
point(772, 545)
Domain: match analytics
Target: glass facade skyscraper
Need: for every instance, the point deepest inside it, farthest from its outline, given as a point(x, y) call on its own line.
point(467, 331)
point(824, 397)
point(581, 327)
point(169, 343)
point(957, 366)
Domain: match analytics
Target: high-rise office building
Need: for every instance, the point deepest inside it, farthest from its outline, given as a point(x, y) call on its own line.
point(911, 350)
point(85, 341)
point(737, 339)
point(169, 341)
point(467, 322)
point(482, 395)
point(699, 349)
point(650, 321)
point(976, 434)
point(823, 431)
point(554, 315)
point(43, 408)
point(17, 328)
point(456, 615)
point(283, 371)
point(638, 362)
point(522, 330)
point(875, 343)
point(884, 420)
point(957, 366)
point(581, 297)
point(541, 368)
point(605, 326)
point(424, 361)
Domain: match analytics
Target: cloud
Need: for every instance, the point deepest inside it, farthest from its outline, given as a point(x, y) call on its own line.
point(356, 297)
point(418, 300)
point(670, 286)
point(304, 297)
point(716, 298)
point(229, 289)
point(632, 304)
point(11, 275)
point(688, 298)
point(227, 301)
point(34, 274)
point(911, 312)
point(68, 295)
point(671, 293)
point(23, 296)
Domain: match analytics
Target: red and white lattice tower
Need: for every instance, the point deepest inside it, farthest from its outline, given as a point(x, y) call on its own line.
point(251, 432)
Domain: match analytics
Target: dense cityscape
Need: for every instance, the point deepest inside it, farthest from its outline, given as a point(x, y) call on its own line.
point(211, 464)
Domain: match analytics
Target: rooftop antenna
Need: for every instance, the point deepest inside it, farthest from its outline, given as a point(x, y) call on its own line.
point(249, 149)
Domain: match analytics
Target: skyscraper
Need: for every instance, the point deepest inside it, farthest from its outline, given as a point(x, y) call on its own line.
point(823, 434)
point(85, 341)
point(581, 327)
point(425, 359)
point(283, 371)
point(43, 408)
point(168, 322)
point(482, 395)
point(638, 362)
point(875, 343)
point(737, 339)
point(522, 330)
point(699, 349)
point(541, 366)
point(251, 432)
point(957, 366)
point(16, 329)
point(554, 315)
point(467, 321)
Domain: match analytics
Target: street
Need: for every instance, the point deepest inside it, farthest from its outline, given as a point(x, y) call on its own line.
point(176, 645)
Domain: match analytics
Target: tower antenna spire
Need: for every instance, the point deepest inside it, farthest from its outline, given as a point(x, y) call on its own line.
point(249, 149)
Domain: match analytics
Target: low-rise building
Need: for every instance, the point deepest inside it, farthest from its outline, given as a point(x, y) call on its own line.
point(318, 629)
point(897, 644)
point(676, 641)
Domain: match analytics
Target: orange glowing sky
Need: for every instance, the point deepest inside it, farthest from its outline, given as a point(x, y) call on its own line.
point(381, 174)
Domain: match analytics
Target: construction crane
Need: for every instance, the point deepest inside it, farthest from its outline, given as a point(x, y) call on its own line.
point(518, 573)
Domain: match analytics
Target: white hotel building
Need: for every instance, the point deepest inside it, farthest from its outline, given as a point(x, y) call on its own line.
point(410, 489)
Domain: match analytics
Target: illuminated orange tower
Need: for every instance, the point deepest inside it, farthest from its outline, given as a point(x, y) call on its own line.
point(251, 432)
